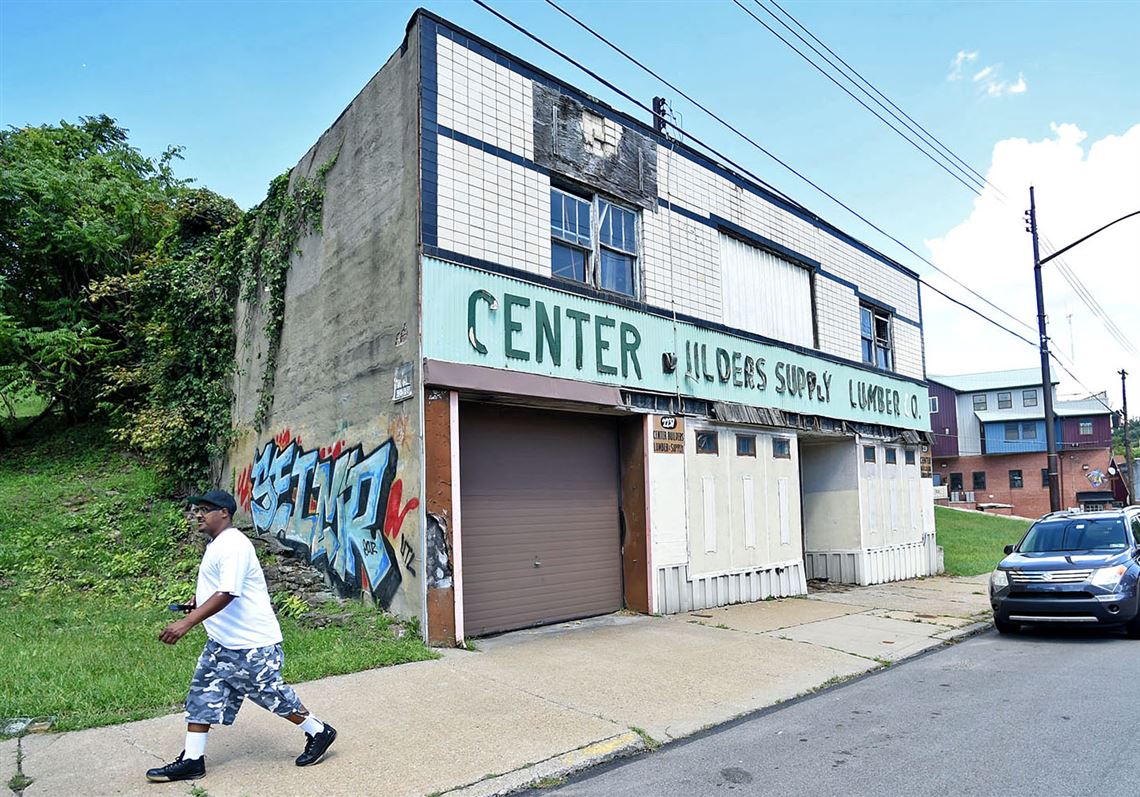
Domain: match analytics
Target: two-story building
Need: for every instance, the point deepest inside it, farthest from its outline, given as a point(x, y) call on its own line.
point(990, 443)
point(545, 361)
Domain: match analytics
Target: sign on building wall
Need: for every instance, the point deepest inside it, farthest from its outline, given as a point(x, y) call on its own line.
point(479, 318)
point(668, 434)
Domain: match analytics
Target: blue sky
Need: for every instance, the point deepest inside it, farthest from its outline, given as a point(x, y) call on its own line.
point(247, 87)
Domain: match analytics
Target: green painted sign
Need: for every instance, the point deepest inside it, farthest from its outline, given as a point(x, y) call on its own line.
point(479, 318)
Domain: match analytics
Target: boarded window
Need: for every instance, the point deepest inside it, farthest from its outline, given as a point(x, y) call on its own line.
point(766, 294)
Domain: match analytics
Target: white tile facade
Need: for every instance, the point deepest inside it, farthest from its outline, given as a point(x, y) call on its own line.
point(494, 209)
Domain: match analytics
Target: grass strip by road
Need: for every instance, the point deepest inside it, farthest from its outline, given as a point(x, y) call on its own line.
point(90, 555)
point(973, 541)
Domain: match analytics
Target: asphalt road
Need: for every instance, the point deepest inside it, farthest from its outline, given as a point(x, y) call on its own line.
point(1041, 713)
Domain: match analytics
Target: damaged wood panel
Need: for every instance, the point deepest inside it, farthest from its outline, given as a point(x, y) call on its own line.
point(572, 140)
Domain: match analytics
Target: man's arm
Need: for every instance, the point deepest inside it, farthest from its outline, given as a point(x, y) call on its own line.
point(179, 628)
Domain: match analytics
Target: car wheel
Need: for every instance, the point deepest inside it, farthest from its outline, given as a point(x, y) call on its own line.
point(1132, 627)
point(1005, 627)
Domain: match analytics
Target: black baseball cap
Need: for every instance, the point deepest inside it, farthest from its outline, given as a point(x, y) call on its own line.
point(219, 499)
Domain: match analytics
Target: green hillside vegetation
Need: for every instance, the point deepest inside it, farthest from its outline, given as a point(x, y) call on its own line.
point(89, 559)
point(973, 541)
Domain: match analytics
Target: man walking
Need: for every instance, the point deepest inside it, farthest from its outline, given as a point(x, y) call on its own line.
point(243, 655)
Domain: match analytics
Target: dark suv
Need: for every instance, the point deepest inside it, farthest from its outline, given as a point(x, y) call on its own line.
point(1072, 567)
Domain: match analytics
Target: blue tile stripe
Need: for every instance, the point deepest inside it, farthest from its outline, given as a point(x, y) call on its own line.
point(491, 149)
point(429, 140)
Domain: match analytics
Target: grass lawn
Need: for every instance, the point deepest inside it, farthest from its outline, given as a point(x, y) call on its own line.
point(973, 541)
point(89, 558)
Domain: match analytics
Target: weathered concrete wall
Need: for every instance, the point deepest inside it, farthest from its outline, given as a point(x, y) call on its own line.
point(335, 470)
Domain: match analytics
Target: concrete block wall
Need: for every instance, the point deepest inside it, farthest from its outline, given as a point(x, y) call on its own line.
point(494, 205)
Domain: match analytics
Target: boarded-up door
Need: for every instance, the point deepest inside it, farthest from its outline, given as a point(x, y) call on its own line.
point(540, 526)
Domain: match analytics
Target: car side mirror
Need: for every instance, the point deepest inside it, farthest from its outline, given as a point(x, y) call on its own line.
point(1008, 550)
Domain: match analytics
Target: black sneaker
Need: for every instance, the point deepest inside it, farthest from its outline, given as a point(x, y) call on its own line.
point(179, 769)
point(316, 746)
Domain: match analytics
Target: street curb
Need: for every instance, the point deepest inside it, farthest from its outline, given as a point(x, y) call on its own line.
point(964, 632)
point(555, 768)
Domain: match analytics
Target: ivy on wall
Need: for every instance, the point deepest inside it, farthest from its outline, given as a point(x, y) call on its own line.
point(259, 248)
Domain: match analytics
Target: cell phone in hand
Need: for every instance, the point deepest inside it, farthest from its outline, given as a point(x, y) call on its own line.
point(180, 607)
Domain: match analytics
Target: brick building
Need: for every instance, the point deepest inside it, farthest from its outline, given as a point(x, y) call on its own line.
point(990, 446)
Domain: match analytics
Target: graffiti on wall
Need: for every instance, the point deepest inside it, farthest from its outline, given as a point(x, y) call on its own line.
point(340, 506)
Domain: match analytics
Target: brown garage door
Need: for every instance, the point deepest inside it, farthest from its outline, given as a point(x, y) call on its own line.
point(540, 532)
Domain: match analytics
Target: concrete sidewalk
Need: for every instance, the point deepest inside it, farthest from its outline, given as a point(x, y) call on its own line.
point(530, 704)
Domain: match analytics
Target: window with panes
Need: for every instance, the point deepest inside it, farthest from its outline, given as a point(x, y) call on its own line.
point(593, 241)
point(875, 333)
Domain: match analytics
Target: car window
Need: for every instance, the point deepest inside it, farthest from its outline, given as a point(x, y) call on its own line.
point(1075, 534)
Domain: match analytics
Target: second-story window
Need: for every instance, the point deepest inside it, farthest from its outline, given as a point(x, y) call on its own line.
point(1029, 398)
point(875, 331)
point(1086, 427)
point(980, 401)
point(593, 242)
point(1005, 401)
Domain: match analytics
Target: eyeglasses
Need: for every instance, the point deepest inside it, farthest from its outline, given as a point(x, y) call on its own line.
point(201, 510)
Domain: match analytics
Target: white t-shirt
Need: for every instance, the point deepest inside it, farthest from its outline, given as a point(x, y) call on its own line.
point(230, 565)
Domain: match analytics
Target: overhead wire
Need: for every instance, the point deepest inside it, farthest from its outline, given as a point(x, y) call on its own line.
point(928, 135)
point(1067, 273)
point(762, 149)
point(973, 186)
point(608, 84)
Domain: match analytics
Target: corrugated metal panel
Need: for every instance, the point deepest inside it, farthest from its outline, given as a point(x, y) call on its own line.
point(677, 592)
point(766, 294)
point(874, 565)
point(742, 413)
point(539, 497)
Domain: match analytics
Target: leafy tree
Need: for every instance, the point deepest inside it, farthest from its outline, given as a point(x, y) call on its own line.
point(78, 204)
point(171, 387)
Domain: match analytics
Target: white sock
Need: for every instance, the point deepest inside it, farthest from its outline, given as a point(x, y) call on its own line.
point(312, 725)
point(195, 745)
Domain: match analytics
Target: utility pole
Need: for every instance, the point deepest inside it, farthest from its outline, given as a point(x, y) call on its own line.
point(1132, 497)
point(1046, 376)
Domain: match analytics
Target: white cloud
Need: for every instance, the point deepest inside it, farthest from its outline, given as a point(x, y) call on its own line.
point(988, 78)
point(985, 73)
point(1078, 188)
point(960, 60)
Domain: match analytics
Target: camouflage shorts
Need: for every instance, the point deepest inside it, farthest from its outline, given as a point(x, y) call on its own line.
point(224, 676)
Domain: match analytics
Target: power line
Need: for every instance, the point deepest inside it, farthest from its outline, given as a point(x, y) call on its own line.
point(778, 160)
point(921, 145)
point(627, 96)
point(934, 139)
